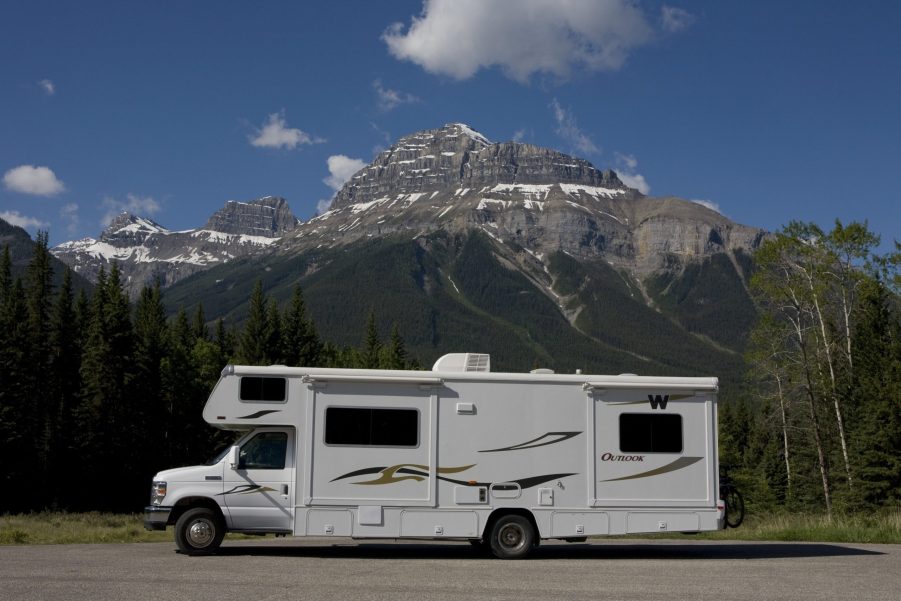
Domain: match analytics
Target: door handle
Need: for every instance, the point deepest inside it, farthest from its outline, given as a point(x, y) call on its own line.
point(285, 489)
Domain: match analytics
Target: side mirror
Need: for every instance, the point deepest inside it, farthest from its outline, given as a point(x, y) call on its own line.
point(234, 457)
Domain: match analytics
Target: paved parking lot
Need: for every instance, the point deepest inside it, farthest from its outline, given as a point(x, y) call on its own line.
point(324, 569)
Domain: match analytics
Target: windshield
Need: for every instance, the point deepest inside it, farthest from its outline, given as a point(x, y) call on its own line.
point(222, 452)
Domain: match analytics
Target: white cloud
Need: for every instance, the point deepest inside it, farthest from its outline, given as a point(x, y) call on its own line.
point(625, 170)
point(323, 205)
point(69, 214)
point(141, 206)
point(674, 19)
point(389, 99)
point(47, 86)
point(28, 179)
point(568, 129)
point(23, 221)
point(709, 204)
point(275, 133)
point(341, 168)
point(459, 37)
point(634, 180)
point(519, 135)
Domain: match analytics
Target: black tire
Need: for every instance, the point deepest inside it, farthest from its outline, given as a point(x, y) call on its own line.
point(511, 537)
point(735, 507)
point(199, 531)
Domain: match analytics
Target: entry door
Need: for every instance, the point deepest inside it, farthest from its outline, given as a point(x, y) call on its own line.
point(260, 493)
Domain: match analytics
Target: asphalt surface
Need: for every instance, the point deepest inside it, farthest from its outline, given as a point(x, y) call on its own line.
point(323, 569)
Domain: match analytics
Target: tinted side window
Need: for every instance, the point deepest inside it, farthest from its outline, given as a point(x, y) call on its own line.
point(650, 433)
point(265, 451)
point(372, 427)
point(255, 388)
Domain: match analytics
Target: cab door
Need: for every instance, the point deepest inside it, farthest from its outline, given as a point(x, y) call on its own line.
point(259, 493)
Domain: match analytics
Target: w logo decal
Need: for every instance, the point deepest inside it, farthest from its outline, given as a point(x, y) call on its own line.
point(658, 401)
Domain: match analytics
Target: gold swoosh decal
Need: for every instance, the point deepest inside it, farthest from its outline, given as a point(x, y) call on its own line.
point(389, 474)
point(678, 464)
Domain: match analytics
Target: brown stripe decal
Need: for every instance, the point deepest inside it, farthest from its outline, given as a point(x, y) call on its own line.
point(678, 464)
point(552, 438)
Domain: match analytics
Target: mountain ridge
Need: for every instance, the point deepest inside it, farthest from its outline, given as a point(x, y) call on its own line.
point(512, 248)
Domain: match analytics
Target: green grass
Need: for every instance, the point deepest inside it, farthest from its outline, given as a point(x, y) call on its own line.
point(875, 527)
point(48, 528)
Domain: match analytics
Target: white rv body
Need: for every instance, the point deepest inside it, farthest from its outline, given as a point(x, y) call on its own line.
point(446, 453)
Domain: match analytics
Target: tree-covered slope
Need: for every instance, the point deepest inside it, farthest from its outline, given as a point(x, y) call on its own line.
point(468, 292)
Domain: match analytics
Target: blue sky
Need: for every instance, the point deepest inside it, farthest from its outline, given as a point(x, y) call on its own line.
point(770, 110)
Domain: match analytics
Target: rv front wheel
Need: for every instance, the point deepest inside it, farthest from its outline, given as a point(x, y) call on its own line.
point(199, 531)
point(512, 537)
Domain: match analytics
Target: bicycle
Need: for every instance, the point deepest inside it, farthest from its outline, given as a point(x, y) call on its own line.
point(731, 496)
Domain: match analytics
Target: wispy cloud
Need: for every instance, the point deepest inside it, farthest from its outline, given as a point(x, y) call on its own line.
point(275, 133)
point(674, 19)
point(141, 206)
point(626, 166)
point(519, 135)
point(69, 214)
point(23, 221)
point(460, 37)
point(47, 86)
point(389, 99)
point(709, 204)
point(568, 129)
point(28, 179)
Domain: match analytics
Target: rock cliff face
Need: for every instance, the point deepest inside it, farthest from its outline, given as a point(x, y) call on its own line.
point(145, 250)
point(270, 217)
point(453, 178)
point(456, 156)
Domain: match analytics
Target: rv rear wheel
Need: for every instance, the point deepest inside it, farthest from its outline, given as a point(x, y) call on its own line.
point(512, 537)
point(199, 531)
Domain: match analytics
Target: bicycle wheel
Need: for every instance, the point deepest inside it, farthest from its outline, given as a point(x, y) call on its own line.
point(735, 507)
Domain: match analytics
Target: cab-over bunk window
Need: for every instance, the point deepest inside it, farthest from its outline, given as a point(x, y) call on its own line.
point(261, 389)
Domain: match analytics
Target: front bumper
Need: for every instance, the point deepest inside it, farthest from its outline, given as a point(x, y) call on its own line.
point(156, 517)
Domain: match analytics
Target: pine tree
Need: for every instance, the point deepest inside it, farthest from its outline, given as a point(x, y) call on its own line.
point(372, 346)
point(35, 415)
point(394, 355)
point(5, 275)
point(180, 390)
point(254, 336)
point(199, 328)
point(64, 384)
point(150, 350)
point(274, 346)
point(15, 475)
point(225, 342)
point(301, 342)
point(877, 393)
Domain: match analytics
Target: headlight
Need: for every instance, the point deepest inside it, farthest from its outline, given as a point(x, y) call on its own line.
point(157, 492)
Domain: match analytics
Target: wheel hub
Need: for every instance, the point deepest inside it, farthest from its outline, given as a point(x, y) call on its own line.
point(511, 536)
point(200, 533)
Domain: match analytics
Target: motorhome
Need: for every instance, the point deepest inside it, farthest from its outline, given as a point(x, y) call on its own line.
point(503, 460)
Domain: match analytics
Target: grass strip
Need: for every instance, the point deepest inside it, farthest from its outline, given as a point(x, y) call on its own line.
point(55, 528)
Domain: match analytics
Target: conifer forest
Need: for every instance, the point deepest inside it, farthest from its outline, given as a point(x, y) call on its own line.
point(94, 384)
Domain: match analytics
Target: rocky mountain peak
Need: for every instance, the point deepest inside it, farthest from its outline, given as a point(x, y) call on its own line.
point(456, 155)
point(129, 229)
point(269, 216)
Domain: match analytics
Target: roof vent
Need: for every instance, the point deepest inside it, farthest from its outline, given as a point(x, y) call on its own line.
point(463, 362)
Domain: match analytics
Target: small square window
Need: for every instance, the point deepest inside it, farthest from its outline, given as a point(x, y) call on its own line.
point(650, 433)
